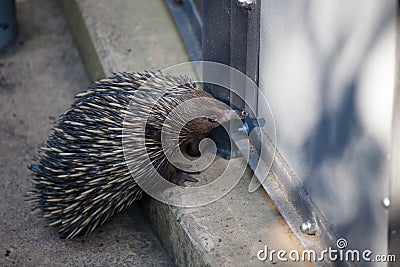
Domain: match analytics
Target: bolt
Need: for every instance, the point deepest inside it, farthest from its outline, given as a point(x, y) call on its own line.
point(309, 227)
point(386, 202)
point(247, 4)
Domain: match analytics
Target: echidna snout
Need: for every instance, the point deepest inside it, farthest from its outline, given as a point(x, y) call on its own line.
point(81, 177)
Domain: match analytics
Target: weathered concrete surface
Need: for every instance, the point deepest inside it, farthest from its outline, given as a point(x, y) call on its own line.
point(39, 76)
point(126, 35)
point(227, 232)
point(138, 35)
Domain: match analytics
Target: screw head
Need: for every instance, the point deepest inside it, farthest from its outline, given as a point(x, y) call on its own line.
point(386, 202)
point(247, 4)
point(308, 227)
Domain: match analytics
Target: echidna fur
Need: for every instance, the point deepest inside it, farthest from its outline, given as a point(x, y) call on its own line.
point(80, 176)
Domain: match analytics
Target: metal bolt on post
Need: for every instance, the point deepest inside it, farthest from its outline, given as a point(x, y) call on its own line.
point(309, 227)
point(247, 4)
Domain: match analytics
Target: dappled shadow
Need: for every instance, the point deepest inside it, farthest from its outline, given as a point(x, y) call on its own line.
point(314, 75)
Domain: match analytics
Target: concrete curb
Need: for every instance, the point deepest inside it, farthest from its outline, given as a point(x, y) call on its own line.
point(177, 241)
point(83, 39)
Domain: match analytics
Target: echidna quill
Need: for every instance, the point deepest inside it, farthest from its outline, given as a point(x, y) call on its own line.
point(80, 175)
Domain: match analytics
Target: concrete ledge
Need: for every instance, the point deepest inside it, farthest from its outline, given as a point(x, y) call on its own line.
point(83, 40)
point(137, 35)
point(123, 35)
point(227, 232)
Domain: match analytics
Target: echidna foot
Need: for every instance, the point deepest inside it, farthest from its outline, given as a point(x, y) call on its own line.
point(189, 178)
point(181, 178)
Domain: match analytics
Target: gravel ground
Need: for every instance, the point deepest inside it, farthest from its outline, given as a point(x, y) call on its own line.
point(39, 75)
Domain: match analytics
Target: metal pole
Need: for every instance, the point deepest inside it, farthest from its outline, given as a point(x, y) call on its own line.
point(394, 208)
point(8, 22)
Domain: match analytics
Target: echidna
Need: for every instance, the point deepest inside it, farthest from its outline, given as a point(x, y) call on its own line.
point(80, 176)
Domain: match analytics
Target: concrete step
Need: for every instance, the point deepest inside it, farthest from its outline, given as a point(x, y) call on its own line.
point(40, 73)
point(140, 35)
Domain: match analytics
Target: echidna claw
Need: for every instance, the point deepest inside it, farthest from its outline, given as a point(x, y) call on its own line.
point(190, 179)
point(181, 178)
point(180, 183)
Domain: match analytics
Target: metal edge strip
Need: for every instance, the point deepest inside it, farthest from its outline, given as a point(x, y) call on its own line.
point(288, 194)
point(186, 29)
point(394, 187)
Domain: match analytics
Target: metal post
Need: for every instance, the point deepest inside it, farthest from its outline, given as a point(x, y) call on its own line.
point(394, 208)
point(7, 22)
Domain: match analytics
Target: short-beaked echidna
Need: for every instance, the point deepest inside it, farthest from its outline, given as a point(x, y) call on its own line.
point(80, 176)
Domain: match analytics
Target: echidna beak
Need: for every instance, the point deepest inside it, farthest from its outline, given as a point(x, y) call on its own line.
point(235, 114)
point(241, 114)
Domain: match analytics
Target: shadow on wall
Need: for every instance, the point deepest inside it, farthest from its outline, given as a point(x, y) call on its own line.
point(341, 147)
point(329, 78)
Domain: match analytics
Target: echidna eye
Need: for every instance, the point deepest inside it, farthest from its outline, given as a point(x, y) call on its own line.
point(213, 118)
